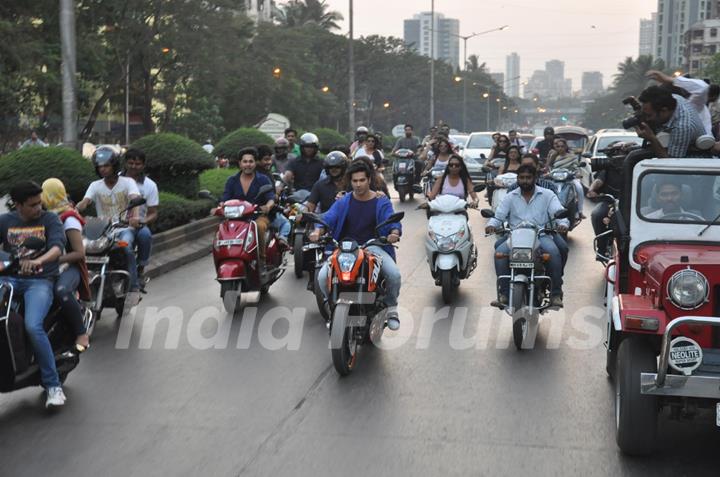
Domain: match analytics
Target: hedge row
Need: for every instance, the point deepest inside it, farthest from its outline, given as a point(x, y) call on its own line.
point(214, 180)
point(176, 210)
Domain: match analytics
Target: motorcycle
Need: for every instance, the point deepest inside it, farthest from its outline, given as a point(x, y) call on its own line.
point(564, 180)
point(529, 286)
point(18, 368)
point(107, 262)
point(236, 252)
point(404, 173)
point(356, 294)
point(299, 231)
point(449, 245)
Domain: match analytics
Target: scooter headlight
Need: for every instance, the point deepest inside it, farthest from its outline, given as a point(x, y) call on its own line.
point(521, 255)
point(233, 212)
point(250, 239)
point(688, 289)
point(346, 261)
point(559, 175)
point(437, 173)
point(446, 244)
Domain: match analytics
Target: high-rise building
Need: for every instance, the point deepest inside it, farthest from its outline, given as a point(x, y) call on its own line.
point(674, 18)
point(647, 35)
point(702, 42)
point(512, 72)
point(549, 83)
point(538, 85)
point(499, 78)
point(259, 10)
point(592, 84)
point(418, 32)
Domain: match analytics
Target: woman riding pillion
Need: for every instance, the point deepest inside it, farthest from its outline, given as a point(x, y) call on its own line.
point(562, 158)
point(73, 270)
point(367, 210)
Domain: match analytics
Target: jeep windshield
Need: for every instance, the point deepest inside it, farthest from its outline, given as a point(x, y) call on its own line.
point(679, 197)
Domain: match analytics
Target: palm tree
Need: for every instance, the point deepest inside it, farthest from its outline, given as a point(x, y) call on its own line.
point(473, 64)
point(631, 77)
point(297, 13)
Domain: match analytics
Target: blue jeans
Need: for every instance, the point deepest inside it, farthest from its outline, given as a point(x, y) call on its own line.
point(144, 245)
point(65, 288)
point(37, 294)
point(128, 235)
point(389, 271)
point(282, 225)
point(554, 268)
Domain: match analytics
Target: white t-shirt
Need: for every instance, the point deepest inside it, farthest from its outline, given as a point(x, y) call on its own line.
point(71, 223)
point(149, 190)
point(109, 203)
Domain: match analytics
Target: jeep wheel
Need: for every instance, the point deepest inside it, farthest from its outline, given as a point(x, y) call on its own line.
point(636, 414)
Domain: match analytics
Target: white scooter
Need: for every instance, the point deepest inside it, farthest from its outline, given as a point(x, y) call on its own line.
point(449, 245)
point(502, 183)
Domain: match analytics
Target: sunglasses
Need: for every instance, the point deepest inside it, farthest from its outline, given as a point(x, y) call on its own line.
point(454, 164)
point(503, 140)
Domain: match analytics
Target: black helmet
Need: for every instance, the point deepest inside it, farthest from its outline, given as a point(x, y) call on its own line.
point(335, 159)
point(362, 130)
point(309, 140)
point(106, 155)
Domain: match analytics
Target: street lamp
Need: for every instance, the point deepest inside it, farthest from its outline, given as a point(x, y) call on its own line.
point(458, 79)
point(325, 89)
point(277, 72)
point(386, 105)
point(487, 111)
point(465, 39)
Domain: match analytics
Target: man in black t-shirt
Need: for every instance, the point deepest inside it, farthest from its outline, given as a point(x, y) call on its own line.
point(607, 181)
point(305, 170)
point(546, 145)
point(325, 191)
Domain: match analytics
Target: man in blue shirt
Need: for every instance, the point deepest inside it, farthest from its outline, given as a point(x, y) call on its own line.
point(536, 205)
point(367, 209)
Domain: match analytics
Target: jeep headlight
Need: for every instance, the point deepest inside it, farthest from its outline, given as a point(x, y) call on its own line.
point(688, 289)
point(523, 255)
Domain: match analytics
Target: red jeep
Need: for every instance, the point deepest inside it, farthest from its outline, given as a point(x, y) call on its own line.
point(663, 297)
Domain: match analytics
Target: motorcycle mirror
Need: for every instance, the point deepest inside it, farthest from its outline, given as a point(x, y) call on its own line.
point(264, 189)
point(205, 194)
point(396, 217)
point(561, 214)
point(587, 155)
point(313, 218)
point(486, 169)
point(479, 187)
point(487, 213)
point(136, 202)
point(33, 243)
point(417, 189)
point(482, 156)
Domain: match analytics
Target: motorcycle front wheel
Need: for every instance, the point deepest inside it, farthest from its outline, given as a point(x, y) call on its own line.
point(448, 289)
point(298, 254)
point(343, 347)
point(519, 304)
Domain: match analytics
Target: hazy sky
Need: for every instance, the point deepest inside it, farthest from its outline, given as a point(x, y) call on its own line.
point(539, 30)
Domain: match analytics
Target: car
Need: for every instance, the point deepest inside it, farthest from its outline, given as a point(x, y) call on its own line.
point(663, 296)
point(478, 145)
point(601, 140)
point(459, 140)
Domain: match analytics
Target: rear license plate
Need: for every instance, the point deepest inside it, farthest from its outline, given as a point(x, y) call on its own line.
point(521, 265)
point(717, 415)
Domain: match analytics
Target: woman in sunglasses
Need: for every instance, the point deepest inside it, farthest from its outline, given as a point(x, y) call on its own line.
point(455, 181)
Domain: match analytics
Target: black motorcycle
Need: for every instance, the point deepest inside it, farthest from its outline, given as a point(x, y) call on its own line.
point(404, 173)
point(18, 366)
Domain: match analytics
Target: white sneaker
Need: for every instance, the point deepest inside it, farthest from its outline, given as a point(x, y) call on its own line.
point(393, 321)
point(55, 397)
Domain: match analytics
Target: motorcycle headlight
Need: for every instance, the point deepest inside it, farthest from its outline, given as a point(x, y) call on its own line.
point(96, 246)
point(559, 175)
point(688, 289)
point(346, 262)
point(233, 212)
point(521, 255)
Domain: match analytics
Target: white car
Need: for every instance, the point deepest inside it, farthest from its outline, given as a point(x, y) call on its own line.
point(479, 144)
point(600, 141)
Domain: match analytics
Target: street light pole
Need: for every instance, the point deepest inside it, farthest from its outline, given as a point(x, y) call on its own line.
point(69, 69)
point(351, 75)
point(432, 63)
point(487, 111)
point(127, 99)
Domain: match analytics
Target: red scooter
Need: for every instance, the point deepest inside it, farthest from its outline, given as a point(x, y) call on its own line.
point(236, 251)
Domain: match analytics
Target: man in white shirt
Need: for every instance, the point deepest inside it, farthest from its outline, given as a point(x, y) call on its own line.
point(667, 197)
point(148, 213)
point(698, 90)
point(112, 195)
point(208, 146)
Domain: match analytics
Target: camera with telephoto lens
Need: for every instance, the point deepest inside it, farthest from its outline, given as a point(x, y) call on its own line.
point(607, 163)
point(637, 118)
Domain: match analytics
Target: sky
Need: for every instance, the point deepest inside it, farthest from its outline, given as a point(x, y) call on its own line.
point(588, 35)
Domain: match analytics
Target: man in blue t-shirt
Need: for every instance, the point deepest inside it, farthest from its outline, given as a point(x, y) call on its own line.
point(367, 209)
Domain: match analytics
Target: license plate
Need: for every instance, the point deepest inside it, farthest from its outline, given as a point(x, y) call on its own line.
point(402, 166)
point(717, 415)
point(100, 260)
point(521, 265)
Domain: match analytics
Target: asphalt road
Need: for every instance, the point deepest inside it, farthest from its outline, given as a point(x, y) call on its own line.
point(453, 397)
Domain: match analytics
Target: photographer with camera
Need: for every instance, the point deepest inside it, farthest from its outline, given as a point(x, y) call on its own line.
point(662, 111)
point(698, 92)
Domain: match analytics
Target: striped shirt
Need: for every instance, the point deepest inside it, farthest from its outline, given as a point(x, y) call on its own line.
point(684, 127)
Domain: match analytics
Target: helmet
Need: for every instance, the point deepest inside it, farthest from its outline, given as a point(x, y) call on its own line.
point(336, 159)
point(281, 143)
point(361, 130)
point(106, 155)
point(309, 140)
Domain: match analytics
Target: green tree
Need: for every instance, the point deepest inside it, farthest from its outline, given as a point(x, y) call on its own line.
point(298, 13)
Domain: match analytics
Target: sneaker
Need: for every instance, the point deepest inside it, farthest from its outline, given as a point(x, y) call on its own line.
point(393, 321)
point(55, 397)
point(556, 301)
point(501, 302)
